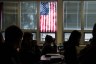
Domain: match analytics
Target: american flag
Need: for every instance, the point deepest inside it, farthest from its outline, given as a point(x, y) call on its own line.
point(48, 16)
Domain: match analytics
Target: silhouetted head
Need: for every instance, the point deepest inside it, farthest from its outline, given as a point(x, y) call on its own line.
point(93, 40)
point(27, 36)
point(13, 36)
point(34, 42)
point(27, 40)
point(48, 38)
point(94, 31)
point(75, 37)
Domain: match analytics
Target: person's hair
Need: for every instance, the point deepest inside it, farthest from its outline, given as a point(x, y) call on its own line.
point(94, 30)
point(93, 40)
point(13, 33)
point(75, 35)
point(27, 35)
point(48, 38)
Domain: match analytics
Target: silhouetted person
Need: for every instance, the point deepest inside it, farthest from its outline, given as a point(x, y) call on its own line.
point(28, 50)
point(54, 46)
point(13, 36)
point(47, 48)
point(26, 42)
point(26, 54)
point(36, 50)
point(70, 52)
point(88, 54)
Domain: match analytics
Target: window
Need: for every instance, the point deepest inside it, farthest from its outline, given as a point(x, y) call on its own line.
point(10, 16)
point(71, 15)
point(28, 15)
point(90, 14)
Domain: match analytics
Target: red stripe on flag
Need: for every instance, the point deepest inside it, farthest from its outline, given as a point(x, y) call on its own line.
point(40, 24)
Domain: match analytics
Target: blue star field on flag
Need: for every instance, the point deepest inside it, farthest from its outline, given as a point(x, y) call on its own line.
point(44, 8)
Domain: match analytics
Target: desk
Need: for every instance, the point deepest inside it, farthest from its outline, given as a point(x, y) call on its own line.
point(51, 58)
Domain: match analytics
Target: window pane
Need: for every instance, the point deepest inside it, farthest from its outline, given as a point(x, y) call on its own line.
point(10, 7)
point(90, 21)
point(29, 7)
point(29, 15)
point(66, 36)
point(71, 15)
point(88, 36)
point(34, 36)
point(29, 21)
point(9, 19)
point(71, 21)
point(10, 15)
point(90, 6)
point(90, 14)
point(43, 35)
point(48, 16)
point(71, 7)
